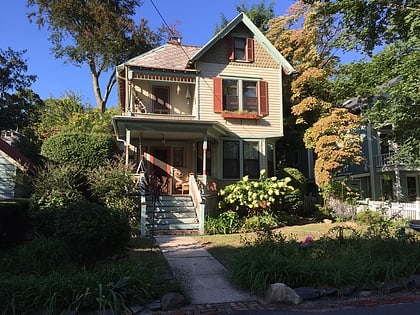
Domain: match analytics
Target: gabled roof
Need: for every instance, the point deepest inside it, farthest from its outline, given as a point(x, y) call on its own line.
point(170, 56)
point(259, 36)
point(15, 156)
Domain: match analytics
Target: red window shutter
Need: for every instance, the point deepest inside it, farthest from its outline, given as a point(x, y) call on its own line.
point(250, 49)
point(263, 97)
point(230, 48)
point(217, 95)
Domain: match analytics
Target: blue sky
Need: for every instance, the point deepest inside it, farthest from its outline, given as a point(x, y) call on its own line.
point(197, 21)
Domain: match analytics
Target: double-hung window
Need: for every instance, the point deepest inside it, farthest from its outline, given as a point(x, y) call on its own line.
point(240, 49)
point(241, 158)
point(242, 95)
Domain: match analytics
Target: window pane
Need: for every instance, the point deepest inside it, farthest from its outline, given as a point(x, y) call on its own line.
point(250, 101)
point(230, 159)
point(230, 149)
point(240, 46)
point(251, 159)
point(230, 95)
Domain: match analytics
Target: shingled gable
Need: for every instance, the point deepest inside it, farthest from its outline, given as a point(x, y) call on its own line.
point(259, 36)
point(16, 157)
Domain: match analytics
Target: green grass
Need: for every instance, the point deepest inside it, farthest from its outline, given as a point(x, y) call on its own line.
point(32, 279)
point(342, 254)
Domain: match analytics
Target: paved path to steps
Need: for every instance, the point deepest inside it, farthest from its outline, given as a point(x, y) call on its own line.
point(203, 276)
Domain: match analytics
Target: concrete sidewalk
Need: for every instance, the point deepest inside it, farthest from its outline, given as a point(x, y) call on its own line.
point(204, 277)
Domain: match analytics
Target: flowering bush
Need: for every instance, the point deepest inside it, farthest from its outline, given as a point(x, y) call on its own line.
point(251, 197)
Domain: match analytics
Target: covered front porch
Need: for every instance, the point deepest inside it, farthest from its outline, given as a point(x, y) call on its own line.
point(170, 149)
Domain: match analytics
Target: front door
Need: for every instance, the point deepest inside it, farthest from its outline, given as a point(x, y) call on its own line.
point(162, 170)
point(161, 102)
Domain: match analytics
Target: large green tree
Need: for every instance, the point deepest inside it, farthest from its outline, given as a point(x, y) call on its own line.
point(96, 33)
point(390, 81)
point(17, 100)
point(390, 78)
point(69, 115)
point(259, 13)
point(367, 24)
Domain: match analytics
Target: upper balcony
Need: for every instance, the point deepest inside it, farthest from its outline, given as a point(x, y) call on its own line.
point(388, 161)
point(159, 100)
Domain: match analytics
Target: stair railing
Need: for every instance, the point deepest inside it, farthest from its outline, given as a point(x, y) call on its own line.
point(198, 201)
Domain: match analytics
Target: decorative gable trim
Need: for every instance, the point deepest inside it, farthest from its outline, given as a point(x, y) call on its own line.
point(258, 35)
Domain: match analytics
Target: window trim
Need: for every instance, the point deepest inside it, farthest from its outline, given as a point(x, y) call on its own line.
point(241, 158)
point(262, 98)
point(248, 49)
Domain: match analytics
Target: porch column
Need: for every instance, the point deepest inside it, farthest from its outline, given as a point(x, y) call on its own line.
point(372, 165)
point(127, 145)
point(205, 164)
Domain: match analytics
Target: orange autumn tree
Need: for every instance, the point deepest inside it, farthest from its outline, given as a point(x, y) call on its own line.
point(304, 37)
point(335, 141)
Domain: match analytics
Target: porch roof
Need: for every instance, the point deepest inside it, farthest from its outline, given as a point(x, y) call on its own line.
point(166, 129)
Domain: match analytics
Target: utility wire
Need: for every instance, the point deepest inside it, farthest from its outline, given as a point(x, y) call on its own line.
point(167, 26)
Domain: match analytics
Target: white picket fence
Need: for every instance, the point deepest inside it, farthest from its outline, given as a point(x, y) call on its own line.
point(408, 210)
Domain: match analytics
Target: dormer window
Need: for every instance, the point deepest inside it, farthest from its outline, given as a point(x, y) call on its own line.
point(240, 49)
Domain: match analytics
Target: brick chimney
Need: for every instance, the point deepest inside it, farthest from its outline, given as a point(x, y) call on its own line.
point(175, 40)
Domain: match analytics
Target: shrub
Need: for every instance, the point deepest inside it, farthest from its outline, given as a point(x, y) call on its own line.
point(293, 202)
point(298, 179)
point(226, 223)
point(92, 231)
point(112, 186)
point(260, 222)
point(249, 198)
point(87, 150)
point(55, 186)
point(38, 256)
point(14, 221)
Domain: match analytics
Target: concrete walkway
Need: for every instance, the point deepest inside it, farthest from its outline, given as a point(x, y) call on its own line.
point(204, 277)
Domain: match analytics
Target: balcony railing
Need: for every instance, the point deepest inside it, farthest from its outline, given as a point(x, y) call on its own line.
point(385, 160)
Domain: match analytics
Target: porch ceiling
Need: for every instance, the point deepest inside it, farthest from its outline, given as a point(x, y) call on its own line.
point(158, 129)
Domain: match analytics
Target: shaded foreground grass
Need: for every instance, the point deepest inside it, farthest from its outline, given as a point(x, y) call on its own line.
point(225, 246)
point(343, 254)
point(34, 279)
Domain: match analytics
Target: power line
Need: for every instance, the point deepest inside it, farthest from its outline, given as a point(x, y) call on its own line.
point(167, 26)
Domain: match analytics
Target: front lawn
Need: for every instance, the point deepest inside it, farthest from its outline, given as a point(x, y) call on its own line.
point(341, 254)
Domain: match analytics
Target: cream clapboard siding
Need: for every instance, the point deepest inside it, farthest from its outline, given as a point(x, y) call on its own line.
point(7, 172)
point(266, 127)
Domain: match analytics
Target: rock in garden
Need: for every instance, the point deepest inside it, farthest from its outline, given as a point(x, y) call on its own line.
point(415, 281)
point(392, 287)
point(278, 293)
point(172, 301)
point(307, 293)
point(347, 290)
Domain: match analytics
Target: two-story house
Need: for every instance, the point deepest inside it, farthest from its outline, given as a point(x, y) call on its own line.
point(213, 111)
point(381, 176)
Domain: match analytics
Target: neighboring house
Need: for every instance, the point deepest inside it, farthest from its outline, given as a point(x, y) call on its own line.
point(12, 162)
point(381, 176)
point(213, 111)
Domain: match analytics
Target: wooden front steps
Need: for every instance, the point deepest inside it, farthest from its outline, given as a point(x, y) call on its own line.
point(171, 215)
